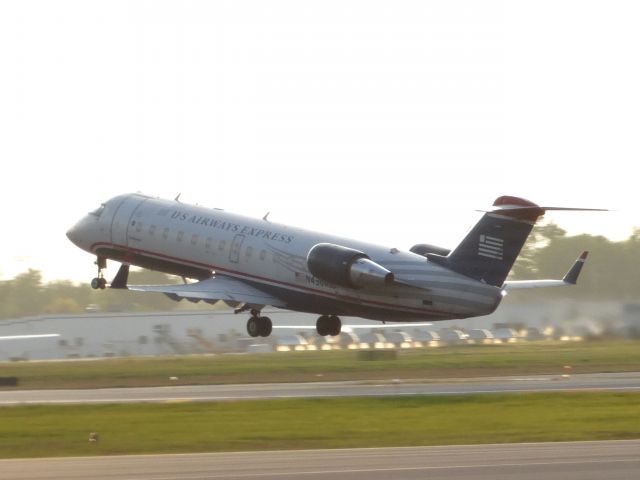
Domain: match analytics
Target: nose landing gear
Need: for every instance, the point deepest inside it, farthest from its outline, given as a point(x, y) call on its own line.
point(100, 282)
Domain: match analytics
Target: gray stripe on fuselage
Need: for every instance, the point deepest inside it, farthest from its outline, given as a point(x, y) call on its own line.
point(463, 303)
point(437, 283)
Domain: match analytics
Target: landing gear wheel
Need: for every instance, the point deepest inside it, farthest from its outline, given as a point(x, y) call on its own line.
point(266, 327)
point(328, 325)
point(336, 326)
point(253, 327)
point(100, 282)
point(322, 326)
point(259, 326)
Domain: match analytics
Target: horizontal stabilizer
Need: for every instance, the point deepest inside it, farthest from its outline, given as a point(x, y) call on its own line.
point(571, 278)
point(522, 209)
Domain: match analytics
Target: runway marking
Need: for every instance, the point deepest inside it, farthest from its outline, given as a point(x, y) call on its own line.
point(352, 389)
point(311, 395)
point(399, 469)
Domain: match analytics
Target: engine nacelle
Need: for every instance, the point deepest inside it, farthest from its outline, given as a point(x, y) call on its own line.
point(423, 249)
point(346, 267)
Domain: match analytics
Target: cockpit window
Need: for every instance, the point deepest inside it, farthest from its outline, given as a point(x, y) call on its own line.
point(98, 211)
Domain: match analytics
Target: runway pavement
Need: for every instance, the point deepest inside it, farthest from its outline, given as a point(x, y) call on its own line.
point(608, 381)
point(612, 460)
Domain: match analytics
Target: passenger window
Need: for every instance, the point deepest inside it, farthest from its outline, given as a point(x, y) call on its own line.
point(165, 233)
point(194, 239)
point(248, 252)
point(152, 230)
point(138, 227)
point(208, 243)
point(263, 255)
point(221, 245)
point(180, 235)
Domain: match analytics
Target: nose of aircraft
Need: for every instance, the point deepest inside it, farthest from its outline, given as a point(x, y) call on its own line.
point(80, 233)
point(73, 235)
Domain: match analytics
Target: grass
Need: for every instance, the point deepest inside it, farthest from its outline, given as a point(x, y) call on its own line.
point(449, 362)
point(37, 431)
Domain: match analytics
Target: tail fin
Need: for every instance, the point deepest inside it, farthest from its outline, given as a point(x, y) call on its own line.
point(489, 251)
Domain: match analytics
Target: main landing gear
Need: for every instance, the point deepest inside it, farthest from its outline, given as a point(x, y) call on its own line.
point(258, 326)
point(328, 325)
point(100, 282)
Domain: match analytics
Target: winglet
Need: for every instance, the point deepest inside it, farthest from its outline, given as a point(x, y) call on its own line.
point(572, 275)
point(571, 278)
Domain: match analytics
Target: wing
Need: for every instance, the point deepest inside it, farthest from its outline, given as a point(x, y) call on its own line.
point(220, 287)
point(571, 278)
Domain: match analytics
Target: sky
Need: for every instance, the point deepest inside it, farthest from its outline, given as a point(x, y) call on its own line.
point(390, 122)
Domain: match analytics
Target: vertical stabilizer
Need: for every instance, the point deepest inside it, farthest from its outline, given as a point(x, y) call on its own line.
point(488, 252)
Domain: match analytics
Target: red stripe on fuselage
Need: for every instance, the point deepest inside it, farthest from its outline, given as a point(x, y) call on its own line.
point(263, 279)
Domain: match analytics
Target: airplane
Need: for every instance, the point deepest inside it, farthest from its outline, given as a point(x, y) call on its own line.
point(252, 263)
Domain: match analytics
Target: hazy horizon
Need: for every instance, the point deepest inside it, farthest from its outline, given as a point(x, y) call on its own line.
point(390, 123)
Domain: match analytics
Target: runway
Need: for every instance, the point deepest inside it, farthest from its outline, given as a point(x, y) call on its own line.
point(613, 460)
point(538, 383)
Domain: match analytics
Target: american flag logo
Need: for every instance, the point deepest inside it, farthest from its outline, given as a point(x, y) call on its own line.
point(490, 247)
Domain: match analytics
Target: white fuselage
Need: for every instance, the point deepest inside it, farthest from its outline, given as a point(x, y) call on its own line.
point(199, 242)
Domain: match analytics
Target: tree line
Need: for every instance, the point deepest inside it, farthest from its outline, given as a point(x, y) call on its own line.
point(611, 273)
point(27, 295)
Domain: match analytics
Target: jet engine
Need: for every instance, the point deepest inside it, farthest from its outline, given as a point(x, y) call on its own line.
point(423, 249)
point(346, 267)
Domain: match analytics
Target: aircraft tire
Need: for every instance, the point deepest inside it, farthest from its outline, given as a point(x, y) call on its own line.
point(95, 283)
point(323, 325)
point(335, 326)
point(266, 327)
point(253, 327)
